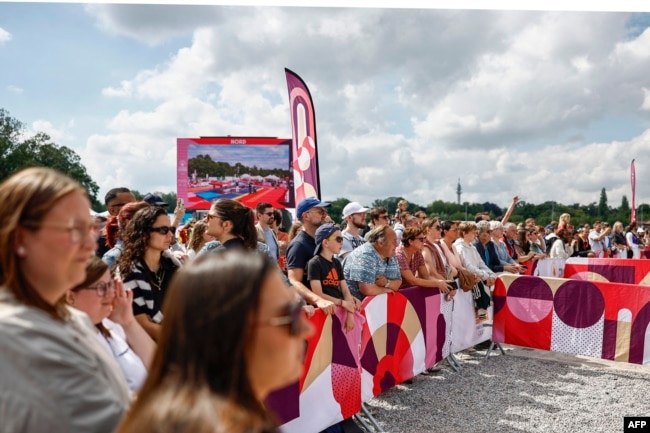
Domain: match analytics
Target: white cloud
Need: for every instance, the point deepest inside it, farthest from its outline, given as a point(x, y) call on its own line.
point(5, 36)
point(15, 89)
point(407, 101)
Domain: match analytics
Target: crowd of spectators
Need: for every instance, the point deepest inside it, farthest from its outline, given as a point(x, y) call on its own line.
point(185, 328)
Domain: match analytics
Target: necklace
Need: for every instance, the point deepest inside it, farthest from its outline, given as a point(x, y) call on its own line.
point(159, 277)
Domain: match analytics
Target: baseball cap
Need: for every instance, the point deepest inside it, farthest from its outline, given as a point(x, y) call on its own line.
point(308, 203)
point(323, 232)
point(352, 208)
point(154, 200)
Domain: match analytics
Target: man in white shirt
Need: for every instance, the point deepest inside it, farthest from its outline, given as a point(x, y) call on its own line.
point(355, 216)
point(597, 239)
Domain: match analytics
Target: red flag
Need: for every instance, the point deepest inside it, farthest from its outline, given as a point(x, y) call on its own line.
point(303, 133)
point(633, 180)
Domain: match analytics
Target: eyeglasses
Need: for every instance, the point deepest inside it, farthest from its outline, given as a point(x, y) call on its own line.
point(421, 238)
point(338, 239)
point(102, 288)
point(163, 230)
point(77, 230)
point(293, 318)
point(383, 217)
point(268, 213)
point(209, 216)
point(436, 227)
point(320, 211)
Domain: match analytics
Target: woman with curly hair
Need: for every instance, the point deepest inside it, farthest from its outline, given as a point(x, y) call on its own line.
point(115, 229)
point(146, 265)
point(232, 334)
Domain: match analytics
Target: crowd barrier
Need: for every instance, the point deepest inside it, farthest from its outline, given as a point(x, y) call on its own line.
point(592, 318)
point(628, 271)
point(396, 337)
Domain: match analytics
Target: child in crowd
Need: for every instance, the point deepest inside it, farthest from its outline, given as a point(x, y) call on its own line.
point(325, 273)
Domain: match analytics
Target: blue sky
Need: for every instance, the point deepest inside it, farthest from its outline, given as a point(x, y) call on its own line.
point(547, 105)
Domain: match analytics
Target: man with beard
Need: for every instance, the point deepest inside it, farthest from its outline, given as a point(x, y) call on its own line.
point(265, 233)
point(312, 214)
point(355, 216)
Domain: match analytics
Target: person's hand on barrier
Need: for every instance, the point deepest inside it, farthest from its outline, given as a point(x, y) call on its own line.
point(325, 305)
point(381, 281)
point(349, 322)
point(348, 305)
point(490, 281)
point(309, 310)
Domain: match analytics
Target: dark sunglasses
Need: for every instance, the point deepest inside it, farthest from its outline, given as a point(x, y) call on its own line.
point(269, 214)
point(338, 239)
point(164, 230)
point(293, 318)
point(436, 227)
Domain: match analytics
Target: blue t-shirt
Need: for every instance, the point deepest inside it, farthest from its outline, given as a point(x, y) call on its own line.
point(365, 265)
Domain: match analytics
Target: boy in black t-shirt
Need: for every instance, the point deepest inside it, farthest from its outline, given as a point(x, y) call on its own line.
point(325, 273)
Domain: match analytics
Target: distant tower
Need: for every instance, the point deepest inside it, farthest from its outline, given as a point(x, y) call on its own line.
point(459, 190)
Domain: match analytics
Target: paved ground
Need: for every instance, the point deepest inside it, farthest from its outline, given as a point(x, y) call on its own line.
point(527, 390)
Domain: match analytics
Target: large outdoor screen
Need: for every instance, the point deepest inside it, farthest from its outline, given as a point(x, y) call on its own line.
point(247, 169)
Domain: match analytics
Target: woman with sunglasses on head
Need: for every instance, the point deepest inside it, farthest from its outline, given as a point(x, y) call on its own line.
point(411, 262)
point(233, 332)
point(54, 375)
point(233, 226)
point(146, 265)
point(109, 308)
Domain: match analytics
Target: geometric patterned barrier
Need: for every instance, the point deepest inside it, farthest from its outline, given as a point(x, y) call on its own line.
point(592, 318)
point(628, 271)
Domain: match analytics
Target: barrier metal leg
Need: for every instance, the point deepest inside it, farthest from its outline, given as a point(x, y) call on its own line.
point(375, 426)
point(492, 345)
point(453, 362)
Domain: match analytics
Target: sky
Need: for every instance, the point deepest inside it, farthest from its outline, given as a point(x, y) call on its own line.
point(545, 105)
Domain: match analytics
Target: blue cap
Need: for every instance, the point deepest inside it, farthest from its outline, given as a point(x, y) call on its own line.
point(308, 203)
point(154, 200)
point(323, 232)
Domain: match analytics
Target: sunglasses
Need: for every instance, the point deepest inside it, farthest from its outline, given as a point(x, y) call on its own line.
point(436, 227)
point(293, 318)
point(421, 238)
point(269, 214)
point(209, 216)
point(164, 230)
point(338, 239)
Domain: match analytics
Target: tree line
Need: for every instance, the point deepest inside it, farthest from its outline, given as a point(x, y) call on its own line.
point(18, 151)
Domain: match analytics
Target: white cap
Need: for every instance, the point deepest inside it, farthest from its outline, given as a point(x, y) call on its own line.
point(352, 208)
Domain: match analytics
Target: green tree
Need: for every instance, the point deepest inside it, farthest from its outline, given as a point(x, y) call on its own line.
point(336, 210)
point(16, 154)
point(603, 209)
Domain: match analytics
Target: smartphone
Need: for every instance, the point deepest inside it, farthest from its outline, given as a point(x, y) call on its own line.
point(453, 284)
point(181, 202)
